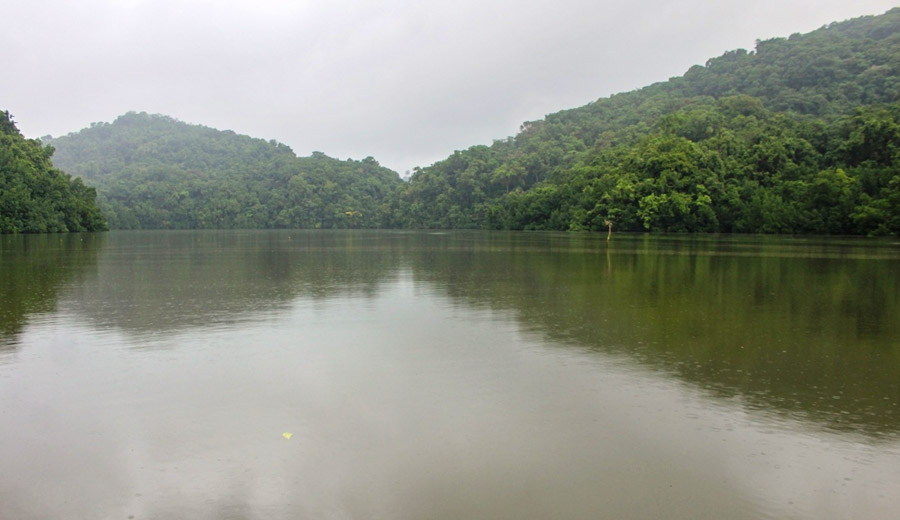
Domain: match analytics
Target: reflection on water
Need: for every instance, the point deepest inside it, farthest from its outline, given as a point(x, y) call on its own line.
point(458, 375)
point(33, 268)
point(153, 282)
point(791, 325)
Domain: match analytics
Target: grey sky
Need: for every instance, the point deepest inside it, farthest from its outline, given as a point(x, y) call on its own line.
point(407, 82)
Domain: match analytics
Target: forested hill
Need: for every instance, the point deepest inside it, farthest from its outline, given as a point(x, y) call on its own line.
point(35, 197)
point(155, 172)
point(801, 135)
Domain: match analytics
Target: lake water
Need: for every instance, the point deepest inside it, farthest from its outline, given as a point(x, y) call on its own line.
point(158, 375)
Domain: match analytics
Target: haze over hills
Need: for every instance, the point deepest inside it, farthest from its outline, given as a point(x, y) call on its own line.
point(154, 172)
point(800, 135)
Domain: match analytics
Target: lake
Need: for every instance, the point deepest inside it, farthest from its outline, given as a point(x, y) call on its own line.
point(415, 375)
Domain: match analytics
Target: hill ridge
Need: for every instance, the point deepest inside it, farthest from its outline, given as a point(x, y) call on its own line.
point(153, 171)
point(561, 172)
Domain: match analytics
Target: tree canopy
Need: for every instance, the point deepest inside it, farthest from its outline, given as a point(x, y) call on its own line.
point(155, 172)
point(798, 136)
point(35, 197)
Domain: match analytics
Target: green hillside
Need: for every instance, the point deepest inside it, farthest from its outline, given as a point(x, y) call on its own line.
point(154, 172)
point(800, 135)
point(35, 197)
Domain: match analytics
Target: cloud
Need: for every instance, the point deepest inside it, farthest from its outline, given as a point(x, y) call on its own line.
point(405, 82)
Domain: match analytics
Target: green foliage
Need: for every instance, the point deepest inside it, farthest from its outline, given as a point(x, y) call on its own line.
point(153, 172)
point(35, 197)
point(799, 136)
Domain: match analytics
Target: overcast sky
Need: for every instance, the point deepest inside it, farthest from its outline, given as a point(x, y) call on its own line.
point(407, 82)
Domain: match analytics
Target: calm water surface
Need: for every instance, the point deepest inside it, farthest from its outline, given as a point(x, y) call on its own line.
point(152, 375)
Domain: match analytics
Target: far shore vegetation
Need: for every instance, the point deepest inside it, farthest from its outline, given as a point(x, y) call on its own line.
point(799, 136)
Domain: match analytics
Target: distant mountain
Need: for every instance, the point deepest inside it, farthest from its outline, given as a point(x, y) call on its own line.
point(155, 172)
point(36, 197)
point(799, 136)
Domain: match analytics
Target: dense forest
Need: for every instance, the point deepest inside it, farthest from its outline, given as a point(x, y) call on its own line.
point(155, 172)
point(35, 197)
point(800, 135)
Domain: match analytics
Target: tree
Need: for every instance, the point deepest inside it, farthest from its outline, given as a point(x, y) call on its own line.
point(35, 197)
